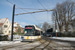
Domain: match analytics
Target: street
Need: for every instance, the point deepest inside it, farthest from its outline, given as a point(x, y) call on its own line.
point(44, 44)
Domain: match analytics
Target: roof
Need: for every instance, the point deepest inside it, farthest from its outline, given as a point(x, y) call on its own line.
point(2, 21)
point(16, 24)
point(1, 24)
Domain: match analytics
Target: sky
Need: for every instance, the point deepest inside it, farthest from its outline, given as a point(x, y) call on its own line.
point(6, 9)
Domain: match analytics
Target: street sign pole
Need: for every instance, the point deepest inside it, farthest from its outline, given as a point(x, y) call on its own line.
point(55, 27)
point(12, 22)
point(56, 33)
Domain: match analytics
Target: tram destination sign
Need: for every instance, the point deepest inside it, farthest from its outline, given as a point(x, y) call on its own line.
point(28, 28)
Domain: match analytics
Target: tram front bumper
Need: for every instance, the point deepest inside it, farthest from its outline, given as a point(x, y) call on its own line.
point(29, 39)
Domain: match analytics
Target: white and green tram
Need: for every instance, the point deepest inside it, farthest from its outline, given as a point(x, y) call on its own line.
point(31, 33)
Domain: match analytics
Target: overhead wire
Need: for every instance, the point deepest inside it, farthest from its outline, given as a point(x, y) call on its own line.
point(34, 12)
point(22, 9)
point(44, 8)
point(30, 8)
point(41, 4)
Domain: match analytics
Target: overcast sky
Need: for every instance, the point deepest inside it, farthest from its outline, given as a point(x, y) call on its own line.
point(6, 9)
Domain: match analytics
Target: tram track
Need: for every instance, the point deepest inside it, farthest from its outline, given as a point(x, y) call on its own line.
point(9, 47)
point(58, 45)
point(23, 47)
point(42, 46)
point(12, 46)
point(36, 45)
point(18, 45)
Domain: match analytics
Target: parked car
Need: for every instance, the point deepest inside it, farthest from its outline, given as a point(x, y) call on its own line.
point(54, 34)
point(49, 34)
point(44, 34)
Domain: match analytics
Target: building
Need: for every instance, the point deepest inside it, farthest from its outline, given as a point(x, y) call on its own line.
point(5, 26)
point(16, 26)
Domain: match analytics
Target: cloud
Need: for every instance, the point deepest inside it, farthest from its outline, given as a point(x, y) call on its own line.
point(43, 17)
point(23, 24)
point(9, 4)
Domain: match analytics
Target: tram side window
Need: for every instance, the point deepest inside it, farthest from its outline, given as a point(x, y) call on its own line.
point(37, 33)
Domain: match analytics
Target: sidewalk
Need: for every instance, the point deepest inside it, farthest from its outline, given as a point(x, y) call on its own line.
point(9, 42)
point(64, 38)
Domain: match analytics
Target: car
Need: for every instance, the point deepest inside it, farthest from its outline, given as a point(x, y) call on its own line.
point(48, 34)
point(44, 34)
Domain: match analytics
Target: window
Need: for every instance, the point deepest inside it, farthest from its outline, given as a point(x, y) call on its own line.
point(5, 31)
point(5, 26)
point(9, 31)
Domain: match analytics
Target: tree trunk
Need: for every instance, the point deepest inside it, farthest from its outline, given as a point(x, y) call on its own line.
point(66, 27)
point(61, 28)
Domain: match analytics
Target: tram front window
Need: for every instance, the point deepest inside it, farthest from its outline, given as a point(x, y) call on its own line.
point(28, 32)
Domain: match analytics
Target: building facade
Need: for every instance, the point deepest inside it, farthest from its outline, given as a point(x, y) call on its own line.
point(5, 26)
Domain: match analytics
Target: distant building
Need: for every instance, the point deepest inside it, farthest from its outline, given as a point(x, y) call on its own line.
point(16, 25)
point(5, 26)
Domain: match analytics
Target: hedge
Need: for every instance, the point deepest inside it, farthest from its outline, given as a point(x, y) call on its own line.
point(68, 34)
point(18, 33)
point(3, 37)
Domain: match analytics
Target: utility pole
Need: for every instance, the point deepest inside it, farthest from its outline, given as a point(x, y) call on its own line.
point(12, 22)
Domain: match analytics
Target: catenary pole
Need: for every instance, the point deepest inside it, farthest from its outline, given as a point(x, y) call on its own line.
point(12, 22)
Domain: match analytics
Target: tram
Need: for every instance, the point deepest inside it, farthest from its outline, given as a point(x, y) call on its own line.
point(31, 33)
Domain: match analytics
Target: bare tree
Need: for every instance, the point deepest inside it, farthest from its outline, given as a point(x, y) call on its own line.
point(19, 29)
point(49, 26)
point(63, 14)
point(39, 25)
point(45, 26)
